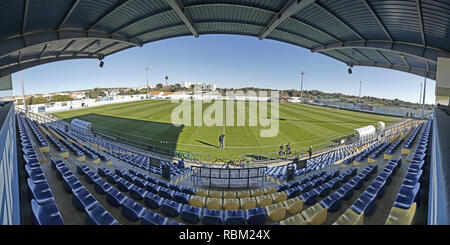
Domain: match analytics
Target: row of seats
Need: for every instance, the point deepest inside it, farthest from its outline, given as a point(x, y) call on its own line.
point(409, 141)
point(83, 200)
point(44, 209)
point(394, 146)
point(366, 152)
point(57, 144)
point(403, 211)
point(41, 140)
point(380, 150)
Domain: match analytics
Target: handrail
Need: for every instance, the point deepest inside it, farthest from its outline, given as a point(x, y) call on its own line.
point(438, 213)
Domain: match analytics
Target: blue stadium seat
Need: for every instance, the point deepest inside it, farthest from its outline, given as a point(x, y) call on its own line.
point(82, 169)
point(256, 216)
point(310, 197)
point(357, 182)
point(335, 183)
point(175, 187)
point(62, 172)
point(103, 172)
point(72, 184)
point(153, 188)
point(137, 193)
point(376, 189)
point(47, 214)
point(173, 222)
point(99, 216)
point(365, 203)
point(101, 186)
point(346, 191)
point(190, 214)
point(181, 197)
point(293, 192)
point(305, 187)
point(119, 172)
point(163, 183)
point(235, 217)
point(188, 190)
point(166, 193)
point(129, 177)
point(115, 197)
point(123, 185)
point(385, 175)
point(332, 203)
point(411, 179)
point(84, 201)
point(282, 187)
point(406, 196)
point(153, 201)
point(40, 192)
point(316, 182)
point(142, 183)
point(131, 210)
point(212, 217)
point(171, 208)
point(112, 178)
point(151, 218)
point(323, 190)
point(91, 177)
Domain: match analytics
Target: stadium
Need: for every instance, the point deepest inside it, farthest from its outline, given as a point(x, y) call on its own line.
point(205, 158)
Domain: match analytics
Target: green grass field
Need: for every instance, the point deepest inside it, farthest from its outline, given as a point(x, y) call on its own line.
point(150, 122)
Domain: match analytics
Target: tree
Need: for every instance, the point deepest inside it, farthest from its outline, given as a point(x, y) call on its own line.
point(57, 98)
point(159, 86)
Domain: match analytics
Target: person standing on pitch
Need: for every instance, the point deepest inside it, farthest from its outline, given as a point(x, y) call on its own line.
point(281, 150)
point(288, 149)
point(221, 139)
point(310, 151)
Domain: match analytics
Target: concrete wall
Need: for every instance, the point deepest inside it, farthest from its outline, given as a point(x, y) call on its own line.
point(9, 178)
point(443, 81)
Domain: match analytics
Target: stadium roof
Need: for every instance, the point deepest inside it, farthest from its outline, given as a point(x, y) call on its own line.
point(405, 35)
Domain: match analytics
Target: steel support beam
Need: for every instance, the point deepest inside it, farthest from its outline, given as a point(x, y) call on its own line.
point(108, 13)
point(43, 50)
point(377, 19)
point(420, 16)
point(339, 20)
point(178, 7)
point(413, 70)
point(63, 21)
point(19, 42)
point(25, 16)
point(86, 47)
point(411, 49)
point(12, 68)
point(145, 17)
point(106, 47)
point(292, 7)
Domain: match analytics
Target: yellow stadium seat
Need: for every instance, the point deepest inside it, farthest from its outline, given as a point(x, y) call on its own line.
point(215, 194)
point(350, 217)
point(399, 216)
point(294, 220)
point(231, 204)
point(214, 203)
point(197, 201)
point(229, 194)
point(293, 205)
point(264, 200)
point(248, 202)
point(270, 190)
point(315, 215)
point(276, 212)
point(257, 193)
point(201, 192)
point(279, 197)
point(242, 194)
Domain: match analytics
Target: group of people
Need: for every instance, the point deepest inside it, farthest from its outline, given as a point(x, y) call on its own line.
point(287, 150)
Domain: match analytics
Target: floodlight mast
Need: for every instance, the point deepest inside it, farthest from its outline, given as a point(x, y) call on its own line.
point(147, 69)
point(301, 86)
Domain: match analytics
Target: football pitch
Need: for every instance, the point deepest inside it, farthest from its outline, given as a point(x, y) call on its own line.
point(149, 122)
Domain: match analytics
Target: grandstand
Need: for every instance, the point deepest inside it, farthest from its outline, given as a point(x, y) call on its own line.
point(54, 175)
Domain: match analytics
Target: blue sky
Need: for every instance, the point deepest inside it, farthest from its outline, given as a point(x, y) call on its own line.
point(228, 61)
